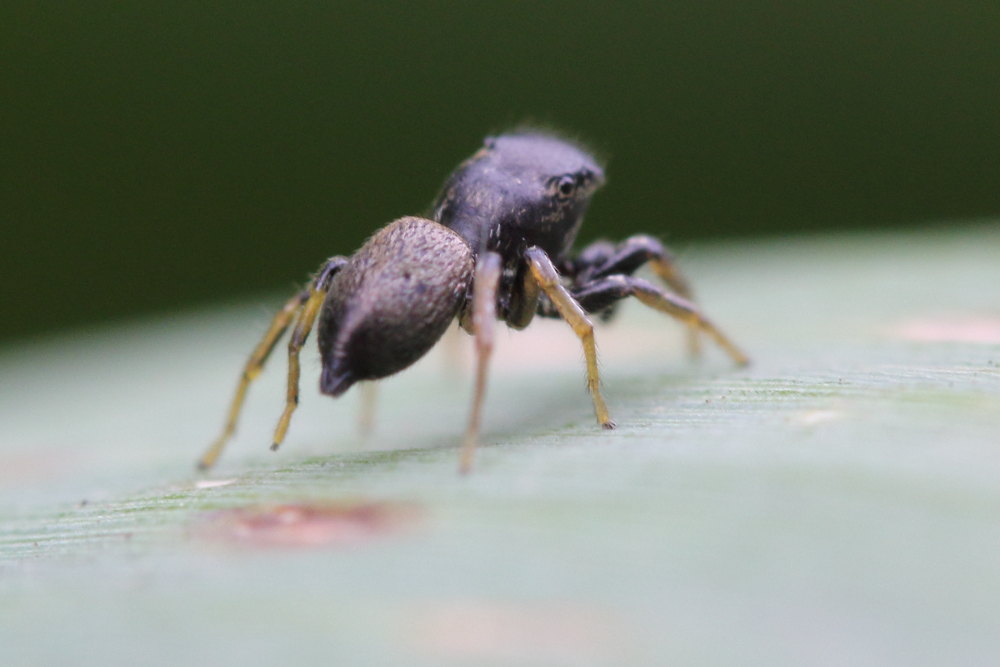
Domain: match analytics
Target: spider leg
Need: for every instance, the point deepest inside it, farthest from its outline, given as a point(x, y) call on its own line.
point(602, 259)
point(544, 272)
point(303, 325)
point(255, 363)
point(484, 299)
point(253, 367)
point(603, 292)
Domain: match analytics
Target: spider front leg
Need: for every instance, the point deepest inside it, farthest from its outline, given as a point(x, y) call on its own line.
point(547, 277)
point(260, 354)
point(603, 258)
point(604, 292)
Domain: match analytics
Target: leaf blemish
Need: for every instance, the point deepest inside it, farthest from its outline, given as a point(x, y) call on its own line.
point(306, 525)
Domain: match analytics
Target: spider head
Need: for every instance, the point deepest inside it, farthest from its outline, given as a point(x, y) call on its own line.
point(520, 190)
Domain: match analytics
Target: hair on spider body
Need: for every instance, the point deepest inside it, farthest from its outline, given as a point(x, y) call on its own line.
point(497, 249)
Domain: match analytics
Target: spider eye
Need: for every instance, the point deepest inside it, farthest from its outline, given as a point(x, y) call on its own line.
point(566, 186)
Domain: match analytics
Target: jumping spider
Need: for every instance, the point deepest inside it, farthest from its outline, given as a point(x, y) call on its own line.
point(497, 248)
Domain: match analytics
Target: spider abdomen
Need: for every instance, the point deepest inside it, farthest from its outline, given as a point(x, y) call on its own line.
point(392, 301)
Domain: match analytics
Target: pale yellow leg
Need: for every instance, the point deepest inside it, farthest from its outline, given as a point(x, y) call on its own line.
point(548, 279)
point(668, 271)
point(484, 298)
point(251, 370)
point(688, 313)
point(303, 326)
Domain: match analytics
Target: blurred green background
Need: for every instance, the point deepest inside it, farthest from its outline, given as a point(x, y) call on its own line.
point(158, 154)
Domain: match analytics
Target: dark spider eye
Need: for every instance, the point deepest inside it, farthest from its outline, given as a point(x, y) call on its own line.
point(566, 186)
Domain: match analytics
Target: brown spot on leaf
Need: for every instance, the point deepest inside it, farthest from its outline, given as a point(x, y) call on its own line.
point(307, 525)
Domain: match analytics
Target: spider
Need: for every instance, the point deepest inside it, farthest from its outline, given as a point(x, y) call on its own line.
point(498, 248)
